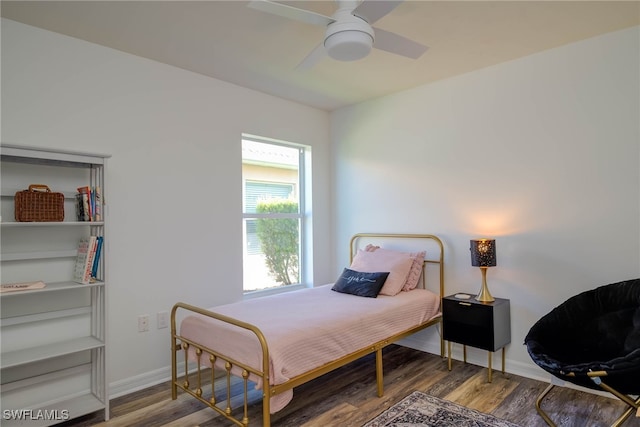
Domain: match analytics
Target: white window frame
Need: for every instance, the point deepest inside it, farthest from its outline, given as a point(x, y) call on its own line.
point(304, 255)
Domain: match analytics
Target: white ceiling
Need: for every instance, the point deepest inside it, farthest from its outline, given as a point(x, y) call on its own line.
point(232, 42)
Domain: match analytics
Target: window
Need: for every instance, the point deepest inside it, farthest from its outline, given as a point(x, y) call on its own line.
point(273, 213)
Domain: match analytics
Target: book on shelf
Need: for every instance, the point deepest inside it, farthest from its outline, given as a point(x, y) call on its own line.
point(89, 203)
point(97, 193)
point(82, 207)
point(84, 260)
point(96, 258)
point(22, 286)
point(85, 191)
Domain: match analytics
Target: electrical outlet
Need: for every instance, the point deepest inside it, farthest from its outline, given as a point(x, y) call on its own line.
point(163, 320)
point(143, 323)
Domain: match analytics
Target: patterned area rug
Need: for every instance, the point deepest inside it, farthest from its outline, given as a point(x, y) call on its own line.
point(420, 409)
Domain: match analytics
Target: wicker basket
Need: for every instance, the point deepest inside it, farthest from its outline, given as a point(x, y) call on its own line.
point(39, 204)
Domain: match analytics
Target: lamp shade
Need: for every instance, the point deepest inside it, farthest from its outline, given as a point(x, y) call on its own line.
point(483, 253)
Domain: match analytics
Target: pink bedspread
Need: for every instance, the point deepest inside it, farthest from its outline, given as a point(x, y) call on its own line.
point(308, 328)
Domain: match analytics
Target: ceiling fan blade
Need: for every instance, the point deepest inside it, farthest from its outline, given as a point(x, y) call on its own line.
point(395, 43)
point(373, 10)
point(291, 12)
point(315, 56)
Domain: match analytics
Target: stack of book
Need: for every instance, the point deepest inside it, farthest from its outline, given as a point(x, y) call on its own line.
point(89, 204)
point(88, 259)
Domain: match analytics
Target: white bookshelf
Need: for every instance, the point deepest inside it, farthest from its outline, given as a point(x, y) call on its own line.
point(52, 340)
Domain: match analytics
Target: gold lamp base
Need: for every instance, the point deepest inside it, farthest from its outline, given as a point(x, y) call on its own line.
point(484, 295)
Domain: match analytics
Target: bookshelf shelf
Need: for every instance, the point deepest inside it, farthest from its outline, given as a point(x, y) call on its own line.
point(53, 287)
point(22, 256)
point(67, 374)
point(49, 351)
point(50, 315)
point(53, 224)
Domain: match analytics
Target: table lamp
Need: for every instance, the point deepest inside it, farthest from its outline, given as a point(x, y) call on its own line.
point(483, 255)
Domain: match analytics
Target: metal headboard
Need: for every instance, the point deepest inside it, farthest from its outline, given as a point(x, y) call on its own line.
point(439, 260)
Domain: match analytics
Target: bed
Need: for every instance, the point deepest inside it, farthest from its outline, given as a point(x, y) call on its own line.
point(281, 341)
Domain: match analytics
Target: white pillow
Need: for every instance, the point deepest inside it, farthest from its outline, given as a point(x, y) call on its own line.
point(398, 264)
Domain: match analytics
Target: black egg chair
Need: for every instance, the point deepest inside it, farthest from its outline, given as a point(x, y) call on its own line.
point(593, 340)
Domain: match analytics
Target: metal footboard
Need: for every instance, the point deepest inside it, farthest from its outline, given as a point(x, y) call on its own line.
point(206, 357)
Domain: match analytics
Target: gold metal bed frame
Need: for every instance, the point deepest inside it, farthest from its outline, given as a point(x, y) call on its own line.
point(180, 343)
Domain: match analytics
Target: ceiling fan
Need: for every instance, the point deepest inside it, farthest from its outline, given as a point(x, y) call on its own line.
point(349, 35)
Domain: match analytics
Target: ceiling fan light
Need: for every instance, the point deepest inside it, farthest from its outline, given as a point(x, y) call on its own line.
point(348, 45)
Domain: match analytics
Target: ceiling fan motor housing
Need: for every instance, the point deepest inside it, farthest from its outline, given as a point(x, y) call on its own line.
point(349, 38)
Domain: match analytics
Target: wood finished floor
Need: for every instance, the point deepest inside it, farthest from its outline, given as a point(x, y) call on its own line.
point(347, 397)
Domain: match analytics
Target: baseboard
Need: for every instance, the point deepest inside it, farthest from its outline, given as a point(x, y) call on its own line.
point(140, 382)
point(148, 379)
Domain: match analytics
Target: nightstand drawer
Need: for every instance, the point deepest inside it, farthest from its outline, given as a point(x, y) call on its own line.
point(473, 335)
point(481, 325)
point(467, 313)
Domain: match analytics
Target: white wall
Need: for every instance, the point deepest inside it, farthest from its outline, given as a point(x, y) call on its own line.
point(541, 153)
point(174, 185)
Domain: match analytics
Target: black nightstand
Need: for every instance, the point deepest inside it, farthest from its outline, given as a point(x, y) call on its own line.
point(482, 325)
